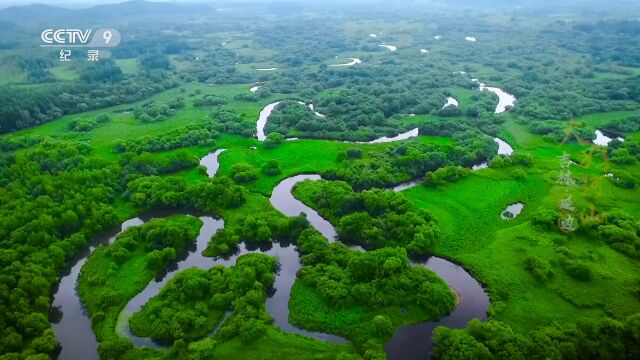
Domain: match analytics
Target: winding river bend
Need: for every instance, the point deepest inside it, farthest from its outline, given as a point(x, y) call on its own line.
point(267, 110)
point(73, 327)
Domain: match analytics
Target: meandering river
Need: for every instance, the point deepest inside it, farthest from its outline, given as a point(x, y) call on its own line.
point(505, 100)
point(73, 329)
point(268, 109)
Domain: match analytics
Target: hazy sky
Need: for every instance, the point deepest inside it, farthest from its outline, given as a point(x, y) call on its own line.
point(89, 3)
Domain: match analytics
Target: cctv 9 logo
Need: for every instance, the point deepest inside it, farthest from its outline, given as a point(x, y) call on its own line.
point(80, 38)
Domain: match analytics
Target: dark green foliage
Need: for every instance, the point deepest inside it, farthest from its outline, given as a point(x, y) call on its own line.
point(374, 278)
point(500, 161)
point(458, 345)
point(624, 152)
point(209, 195)
point(271, 168)
point(577, 270)
point(114, 348)
point(81, 125)
point(210, 100)
point(193, 302)
point(404, 162)
point(185, 136)
point(623, 179)
point(350, 115)
point(102, 118)
point(26, 107)
point(372, 218)
point(621, 127)
point(153, 61)
point(621, 231)
point(152, 112)
point(602, 339)
point(444, 175)
point(41, 226)
point(232, 123)
point(354, 153)
point(37, 69)
point(519, 174)
point(104, 71)
point(150, 164)
point(243, 173)
point(546, 218)
point(539, 268)
point(273, 139)
point(522, 159)
point(222, 242)
point(259, 227)
point(13, 143)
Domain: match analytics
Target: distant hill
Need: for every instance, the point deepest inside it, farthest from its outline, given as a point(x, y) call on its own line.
point(47, 14)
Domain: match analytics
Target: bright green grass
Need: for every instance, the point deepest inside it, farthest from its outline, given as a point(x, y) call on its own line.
point(276, 345)
point(463, 96)
point(494, 250)
point(294, 157)
point(126, 279)
point(310, 311)
point(599, 119)
point(124, 126)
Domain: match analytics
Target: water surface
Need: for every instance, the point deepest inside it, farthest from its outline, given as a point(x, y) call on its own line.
point(210, 161)
point(350, 63)
point(603, 140)
point(389, 47)
point(512, 211)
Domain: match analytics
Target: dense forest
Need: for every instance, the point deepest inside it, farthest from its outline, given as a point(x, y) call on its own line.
point(518, 169)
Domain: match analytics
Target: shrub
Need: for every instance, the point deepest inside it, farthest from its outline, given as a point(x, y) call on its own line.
point(103, 118)
point(444, 175)
point(578, 270)
point(547, 218)
point(519, 174)
point(354, 153)
point(539, 268)
point(623, 179)
point(81, 125)
point(522, 159)
point(273, 139)
point(271, 168)
point(243, 173)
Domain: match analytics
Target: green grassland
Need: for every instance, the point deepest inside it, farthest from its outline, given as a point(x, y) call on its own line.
point(124, 126)
point(64, 72)
point(101, 278)
point(310, 311)
point(495, 250)
point(128, 66)
point(273, 345)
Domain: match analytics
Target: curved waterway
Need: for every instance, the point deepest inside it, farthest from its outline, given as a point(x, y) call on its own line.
point(389, 47)
point(277, 303)
point(210, 161)
point(350, 63)
point(505, 100)
point(267, 110)
point(73, 327)
point(503, 149)
point(413, 341)
point(451, 101)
